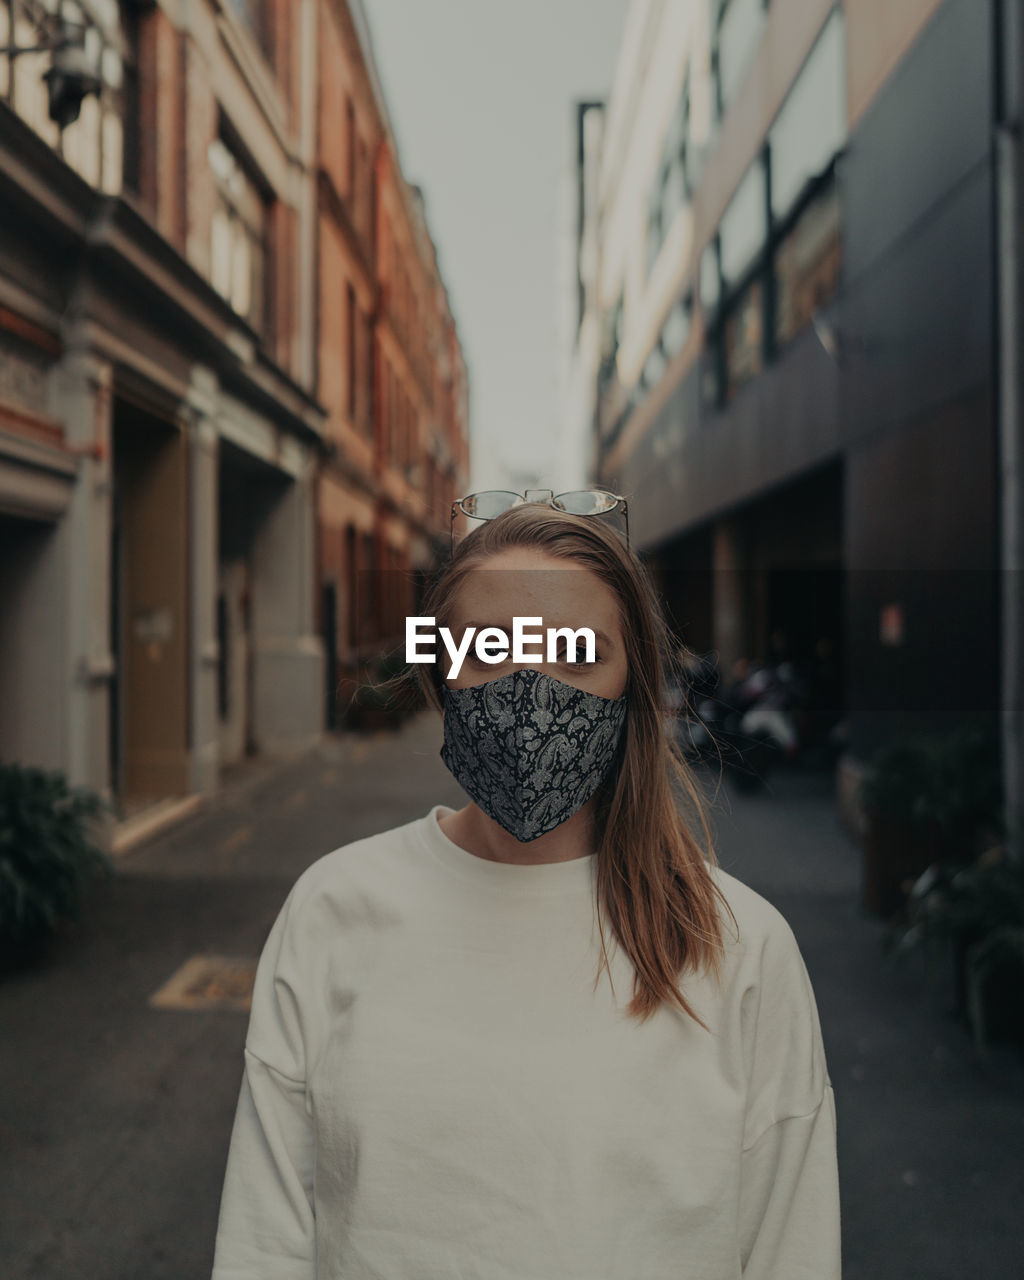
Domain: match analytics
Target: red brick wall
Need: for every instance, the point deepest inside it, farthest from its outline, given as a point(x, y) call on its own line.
point(201, 129)
point(161, 160)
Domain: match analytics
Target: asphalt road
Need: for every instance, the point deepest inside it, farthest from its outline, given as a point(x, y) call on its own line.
point(115, 1116)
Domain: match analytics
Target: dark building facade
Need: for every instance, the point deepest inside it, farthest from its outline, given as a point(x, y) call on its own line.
point(824, 464)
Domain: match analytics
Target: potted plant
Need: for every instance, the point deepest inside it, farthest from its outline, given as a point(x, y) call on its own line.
point(976, 911)
point(47, 855)
point(900, 827)
point(968, 794)
point(926, 800)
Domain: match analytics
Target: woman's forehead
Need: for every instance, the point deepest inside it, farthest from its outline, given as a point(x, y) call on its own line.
point(558, 591)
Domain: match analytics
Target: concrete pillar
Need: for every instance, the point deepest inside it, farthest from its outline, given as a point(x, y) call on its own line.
point(82, 400)
point(201, 430)
point(730, 605)
point(288, 662)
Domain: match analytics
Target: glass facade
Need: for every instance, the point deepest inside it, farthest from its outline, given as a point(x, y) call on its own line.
point(776, 257)
point(738, 33)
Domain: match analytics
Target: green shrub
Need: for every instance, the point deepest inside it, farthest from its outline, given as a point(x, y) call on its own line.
point(47, 854)
point(951, 780)
point(978, 910)
point(900, 782)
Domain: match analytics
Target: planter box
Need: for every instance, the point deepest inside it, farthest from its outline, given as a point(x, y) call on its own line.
point(895, 852)
point(1002, 993)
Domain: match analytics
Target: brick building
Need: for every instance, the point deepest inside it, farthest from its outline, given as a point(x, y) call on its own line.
point(391, 373)
point(189, 331)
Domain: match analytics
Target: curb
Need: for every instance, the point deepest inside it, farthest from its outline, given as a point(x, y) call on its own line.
point(142, 826)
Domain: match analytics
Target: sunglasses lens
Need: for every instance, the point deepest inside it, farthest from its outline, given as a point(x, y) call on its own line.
point(489, 503)
point(586, 502)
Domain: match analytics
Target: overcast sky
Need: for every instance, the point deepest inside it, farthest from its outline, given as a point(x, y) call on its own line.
point(480, 95)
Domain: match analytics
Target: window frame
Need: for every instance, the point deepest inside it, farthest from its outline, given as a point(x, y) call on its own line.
point(721, 8)
point(259, 315)
point(260, 25)
point(674, 156)
point(764, 266)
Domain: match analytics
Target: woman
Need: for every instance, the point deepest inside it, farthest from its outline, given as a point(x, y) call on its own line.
point(544, 1036)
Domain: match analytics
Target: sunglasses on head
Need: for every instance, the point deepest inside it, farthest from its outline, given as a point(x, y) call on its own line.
point(578, 502)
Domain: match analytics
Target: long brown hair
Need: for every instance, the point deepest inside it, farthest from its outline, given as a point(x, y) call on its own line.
point(654, 882)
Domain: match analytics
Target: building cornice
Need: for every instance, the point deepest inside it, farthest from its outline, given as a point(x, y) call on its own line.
point(33, 175)
point(122, 247)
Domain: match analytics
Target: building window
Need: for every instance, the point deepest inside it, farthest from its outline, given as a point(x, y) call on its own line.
point(737, 35)
point(351, 579)
point(810, 128)
point(350, 148)
point(350, 350)
point(387, 413)
point(21, 78)
point(673, 182)
point(239, 266)
point(6, 38)
point(92, 142)
point(676, 329)
point(255, 15)
point(743, 337)
point(366, 330)
point(777, 256)
point(223, 654)
point(807, 263)
point(361, 210)
point(368, 604)
point(411, 468)
point(735, 288)
point(803, 143)
point(384, 405)
point(608, 389)
point(130, 99)
point(743, 230)
point(710, 283)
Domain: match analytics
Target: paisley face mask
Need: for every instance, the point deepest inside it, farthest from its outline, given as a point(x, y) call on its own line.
point(530, 750)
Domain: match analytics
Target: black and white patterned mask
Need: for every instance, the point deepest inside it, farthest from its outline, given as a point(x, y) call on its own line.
point(529, 749)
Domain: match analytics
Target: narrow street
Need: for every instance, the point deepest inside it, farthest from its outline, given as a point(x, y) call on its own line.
point(115, 1115)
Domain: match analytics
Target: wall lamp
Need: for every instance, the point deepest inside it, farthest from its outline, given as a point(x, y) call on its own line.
point(73, 75)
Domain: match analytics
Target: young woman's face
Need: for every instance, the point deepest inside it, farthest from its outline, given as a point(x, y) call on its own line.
point(524, 582)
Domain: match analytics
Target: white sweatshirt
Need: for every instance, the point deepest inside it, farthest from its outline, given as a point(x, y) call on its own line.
point(433, 1088)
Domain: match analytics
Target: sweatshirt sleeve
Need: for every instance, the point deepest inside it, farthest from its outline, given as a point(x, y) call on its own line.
point(789, 1182)
point(266, 1227)
point(789, 1199)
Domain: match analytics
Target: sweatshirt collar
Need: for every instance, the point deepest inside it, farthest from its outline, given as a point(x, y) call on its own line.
point(542, 879)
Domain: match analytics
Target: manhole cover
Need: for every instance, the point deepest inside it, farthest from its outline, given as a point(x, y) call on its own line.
point(208, 982)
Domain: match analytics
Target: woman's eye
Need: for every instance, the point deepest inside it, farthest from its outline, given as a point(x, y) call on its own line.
point(474, 660)
point(578, 659)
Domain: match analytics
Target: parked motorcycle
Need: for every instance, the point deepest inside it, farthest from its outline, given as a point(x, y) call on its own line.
point(748, 725)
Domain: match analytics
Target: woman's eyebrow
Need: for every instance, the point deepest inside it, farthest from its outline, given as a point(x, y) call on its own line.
point(599, 635)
